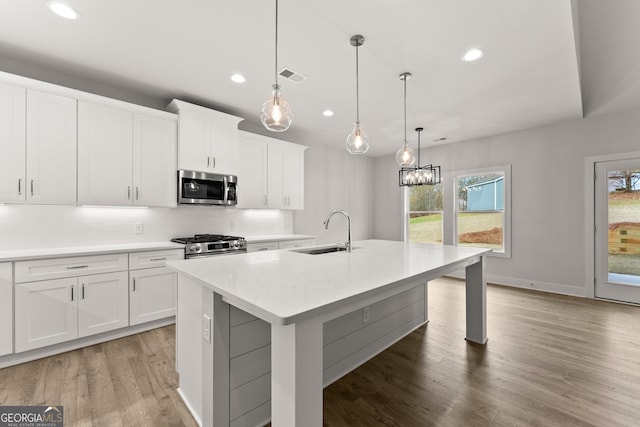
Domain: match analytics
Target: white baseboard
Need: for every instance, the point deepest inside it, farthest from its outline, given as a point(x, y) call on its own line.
point(39, 353)
point(189, 407)
point(555, 288)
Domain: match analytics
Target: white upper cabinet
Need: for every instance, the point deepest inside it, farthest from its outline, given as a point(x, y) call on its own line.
point(125, 158)
point(154, 161)
point(252, 175)
point(37, 147)
point(51, 149)
point(105, 147)
point(286, 175)
point(208, 139)
point(13, 101)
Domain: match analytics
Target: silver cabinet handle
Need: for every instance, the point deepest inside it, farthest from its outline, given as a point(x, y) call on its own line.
point(213, 161)
point(137, 193)
point(75, 267)
point(20, 187)
point(83, 291)
point(134, 285)
point(265, 200)
point(128, 192)
point(208, 161)
point(158, 259)
point(72, 286)
point(263, 249)
point(32, 187)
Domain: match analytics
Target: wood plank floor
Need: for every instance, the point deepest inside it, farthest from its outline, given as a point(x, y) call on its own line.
point(551, 360)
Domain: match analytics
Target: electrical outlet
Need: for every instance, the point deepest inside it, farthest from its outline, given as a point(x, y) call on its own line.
point(206, 328)
point(366, 313)
point(138, 228)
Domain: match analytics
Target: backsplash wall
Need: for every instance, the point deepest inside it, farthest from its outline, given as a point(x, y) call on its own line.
point(40, 226)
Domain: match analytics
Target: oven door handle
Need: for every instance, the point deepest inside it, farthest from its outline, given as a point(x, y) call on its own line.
point(234, 252)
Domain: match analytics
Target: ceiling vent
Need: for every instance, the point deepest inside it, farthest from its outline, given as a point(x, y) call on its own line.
point(292, 75)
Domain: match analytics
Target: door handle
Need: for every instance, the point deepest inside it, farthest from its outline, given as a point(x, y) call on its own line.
point(75, 267)
point(137, 193)
point(158, 259)
point(32, 187)
point(213, 161)
point(128, 192)
point(83, 291)
point(263, 249)
point(72, 286)
point(20, 187)
point(208, 161)
point(265, 200)
point(134, 285)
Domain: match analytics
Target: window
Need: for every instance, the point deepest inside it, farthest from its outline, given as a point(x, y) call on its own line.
point(425, 213)
point(481, 209)
point(469, 208)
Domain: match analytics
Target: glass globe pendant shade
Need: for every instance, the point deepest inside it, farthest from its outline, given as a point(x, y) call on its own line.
point(357, 141)
point(405, 156)
point(276, 114)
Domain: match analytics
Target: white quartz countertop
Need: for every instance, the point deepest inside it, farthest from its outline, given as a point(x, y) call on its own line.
point(26, 254)
point(277, 237)
point(285, 286)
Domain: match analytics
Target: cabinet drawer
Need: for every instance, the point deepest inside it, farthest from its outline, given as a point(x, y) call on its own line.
point(264, 246)
point(57, 268)
point(289, 244)
point(138, 260)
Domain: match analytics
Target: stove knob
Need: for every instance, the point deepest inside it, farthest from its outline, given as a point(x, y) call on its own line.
point(235, 245)
point(193, 248)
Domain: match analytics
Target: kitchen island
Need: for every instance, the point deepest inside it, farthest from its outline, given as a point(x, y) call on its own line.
point(361, 302)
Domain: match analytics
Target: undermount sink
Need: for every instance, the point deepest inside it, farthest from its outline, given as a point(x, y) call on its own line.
point(321, 250)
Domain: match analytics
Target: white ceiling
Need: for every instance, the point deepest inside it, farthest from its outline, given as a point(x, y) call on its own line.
point(530, 74)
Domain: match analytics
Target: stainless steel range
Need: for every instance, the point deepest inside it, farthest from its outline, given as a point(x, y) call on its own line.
point(205, 245)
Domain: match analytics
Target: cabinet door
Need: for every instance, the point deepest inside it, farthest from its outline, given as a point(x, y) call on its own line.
point(105, 169)
point(154, 161)
point(224, 143)
point(194, 142)
point(12, 144)
point(252, 175)
point(103, 303)
point(276, 176)
point(6, 309)
point(294, 177)
point(51, 149)
point(45, 313)
point(152, 294)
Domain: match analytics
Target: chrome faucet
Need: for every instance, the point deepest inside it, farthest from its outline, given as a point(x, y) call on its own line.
point(326, 226)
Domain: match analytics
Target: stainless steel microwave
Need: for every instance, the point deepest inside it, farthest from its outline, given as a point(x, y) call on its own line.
point(203, 188)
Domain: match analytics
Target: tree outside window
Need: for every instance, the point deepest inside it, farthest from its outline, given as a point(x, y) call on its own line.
point(425, 213)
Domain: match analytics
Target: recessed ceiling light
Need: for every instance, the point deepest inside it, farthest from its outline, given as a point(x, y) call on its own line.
point(327, 113)
point(238, 78)
point(472, 55)
point(63, 9)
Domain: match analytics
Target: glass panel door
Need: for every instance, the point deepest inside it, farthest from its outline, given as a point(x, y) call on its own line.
point(617, 230)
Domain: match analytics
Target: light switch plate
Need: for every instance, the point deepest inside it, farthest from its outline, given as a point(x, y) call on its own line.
point(138, 228)
point(206, 328)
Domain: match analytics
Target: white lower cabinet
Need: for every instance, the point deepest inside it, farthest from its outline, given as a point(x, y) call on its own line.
point(262, 246)
point(152, 294)
point(279, 244)
point(54, 311)
point(6, 308)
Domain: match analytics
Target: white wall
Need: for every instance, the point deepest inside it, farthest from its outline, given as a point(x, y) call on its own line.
point(28, 226)
point(335, 179)
point(548, 194)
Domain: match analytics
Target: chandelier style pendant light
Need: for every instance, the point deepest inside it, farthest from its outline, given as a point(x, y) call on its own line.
point(405, 156)
point(419, 175)
point(357, 141)
point(276, 113)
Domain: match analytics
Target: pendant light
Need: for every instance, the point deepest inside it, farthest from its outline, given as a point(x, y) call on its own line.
point(419, 175)
point(405, 156)
point(357, 141)
point(276, 114)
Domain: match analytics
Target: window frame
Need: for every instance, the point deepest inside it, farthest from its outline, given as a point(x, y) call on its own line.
point(452, 180)
point(450, 202)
